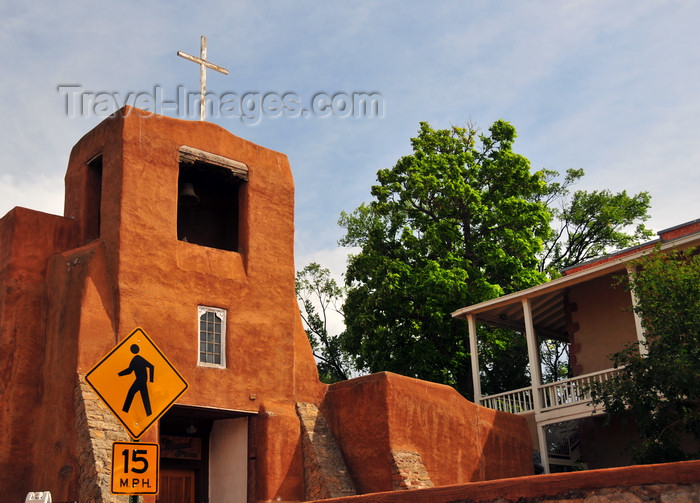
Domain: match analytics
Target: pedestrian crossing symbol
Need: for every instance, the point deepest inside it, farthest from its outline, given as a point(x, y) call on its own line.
point(137, 382)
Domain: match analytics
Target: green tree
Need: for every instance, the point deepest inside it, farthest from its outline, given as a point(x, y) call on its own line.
point(589, 224)
point(319, 295)
point(459, 221)
point(661, 390)
point(504, 360)
point(554, 355)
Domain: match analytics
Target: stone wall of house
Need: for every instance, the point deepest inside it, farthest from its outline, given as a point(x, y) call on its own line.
point(97, 430)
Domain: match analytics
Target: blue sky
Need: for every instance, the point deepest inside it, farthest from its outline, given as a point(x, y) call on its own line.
point(608, 86)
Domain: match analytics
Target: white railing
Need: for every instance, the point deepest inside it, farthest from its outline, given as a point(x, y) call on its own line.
point(554, 395)
point(516, 402)
point(572, 391)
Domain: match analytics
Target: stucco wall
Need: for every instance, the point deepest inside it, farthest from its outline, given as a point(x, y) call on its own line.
point(605, 323)
point(27, 238)
point(458, 441)
point(667, 483)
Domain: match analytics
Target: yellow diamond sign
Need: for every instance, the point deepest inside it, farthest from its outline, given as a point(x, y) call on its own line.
point(137, 382)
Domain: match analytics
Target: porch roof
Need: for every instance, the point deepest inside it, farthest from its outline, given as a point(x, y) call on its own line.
point(546, 299)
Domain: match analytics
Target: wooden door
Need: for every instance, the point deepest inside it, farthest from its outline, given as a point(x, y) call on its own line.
point(176, 486)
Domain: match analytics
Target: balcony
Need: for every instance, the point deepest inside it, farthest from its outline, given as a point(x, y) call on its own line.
point(554, 397)
point(517, 401)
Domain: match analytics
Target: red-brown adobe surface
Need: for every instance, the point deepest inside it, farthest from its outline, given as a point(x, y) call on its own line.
point(664, 482)
point(458, 441)
point(27, 238)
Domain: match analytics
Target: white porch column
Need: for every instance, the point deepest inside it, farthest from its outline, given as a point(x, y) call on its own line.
point(637, 320)
point(533, 353)
point(474, 349)
point(544, 448)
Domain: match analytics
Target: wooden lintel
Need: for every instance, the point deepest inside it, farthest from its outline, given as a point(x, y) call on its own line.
point(191, 154)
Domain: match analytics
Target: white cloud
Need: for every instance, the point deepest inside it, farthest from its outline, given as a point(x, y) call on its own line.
point(41, 193)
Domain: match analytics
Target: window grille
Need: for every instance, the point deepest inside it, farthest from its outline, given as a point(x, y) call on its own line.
point(212, 337)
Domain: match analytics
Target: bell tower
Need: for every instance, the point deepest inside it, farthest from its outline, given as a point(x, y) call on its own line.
point(195, 231)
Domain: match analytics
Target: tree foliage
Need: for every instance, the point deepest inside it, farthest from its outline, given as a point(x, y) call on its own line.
point(319, 295)
point(503, 359)
point(661, 391)
point(459, 221)
point(589, 224)
point(554, 356)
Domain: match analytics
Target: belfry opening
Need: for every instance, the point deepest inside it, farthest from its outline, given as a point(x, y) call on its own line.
point(209, 189)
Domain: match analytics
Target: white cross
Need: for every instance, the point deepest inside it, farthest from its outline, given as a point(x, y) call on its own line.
point(203, 65)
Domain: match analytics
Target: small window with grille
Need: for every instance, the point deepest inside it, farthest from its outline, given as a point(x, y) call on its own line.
point(212, 337)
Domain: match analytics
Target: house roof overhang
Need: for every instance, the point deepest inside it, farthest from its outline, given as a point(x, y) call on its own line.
point(547, 300)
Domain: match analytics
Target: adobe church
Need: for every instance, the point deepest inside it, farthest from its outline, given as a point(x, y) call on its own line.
point(187, 231)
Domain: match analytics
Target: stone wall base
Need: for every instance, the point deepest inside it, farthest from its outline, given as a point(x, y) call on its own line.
point(408, 471)
point(98, 429)
point(325, 473)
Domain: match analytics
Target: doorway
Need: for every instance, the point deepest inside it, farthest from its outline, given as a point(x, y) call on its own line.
point(204, 456)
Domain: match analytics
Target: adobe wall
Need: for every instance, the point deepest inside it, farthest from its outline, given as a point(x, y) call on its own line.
point(377, 416)
point(668, 483)
point(605, 323)
point(79, 315)
point(27, 238)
